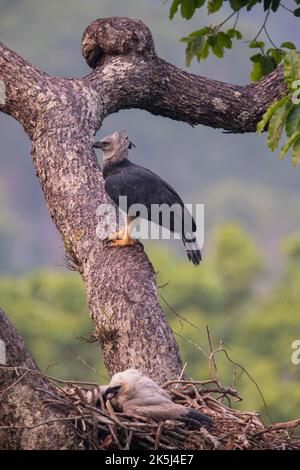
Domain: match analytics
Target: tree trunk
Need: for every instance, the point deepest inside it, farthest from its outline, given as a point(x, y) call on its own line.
point(61, 117)
point(22, 397)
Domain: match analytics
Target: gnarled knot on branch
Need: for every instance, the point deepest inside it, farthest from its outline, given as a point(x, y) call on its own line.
point(116, 36)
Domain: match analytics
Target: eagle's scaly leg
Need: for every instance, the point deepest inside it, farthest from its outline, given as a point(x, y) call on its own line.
point(126, 240)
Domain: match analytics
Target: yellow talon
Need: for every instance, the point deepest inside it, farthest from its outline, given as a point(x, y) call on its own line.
point(124, 242)
point(122, 237)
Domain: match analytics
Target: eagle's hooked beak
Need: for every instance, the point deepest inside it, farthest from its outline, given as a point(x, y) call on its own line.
point(131, 144)
point(111, 392)
point(98, 145)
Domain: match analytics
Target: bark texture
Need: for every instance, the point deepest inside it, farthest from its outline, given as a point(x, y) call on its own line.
point(61, 117)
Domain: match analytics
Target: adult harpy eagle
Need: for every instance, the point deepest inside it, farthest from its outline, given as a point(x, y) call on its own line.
point(142, 186)
point(136, 394)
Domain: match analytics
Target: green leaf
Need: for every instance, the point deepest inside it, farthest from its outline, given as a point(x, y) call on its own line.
point(297, 12)
point(291, 68)
point(214, 5)
point(189, 54)
point(256, 57)
point(197, 44)
point(276, 54)
point(205, 50)
point(206, 30)
point(198, 48)
point(234, 33)
point(289, 143)
point(224, 40)
point(293, 121)
point(296, 153)
point(288, 45)
point(216, 46)
point(256, 73)
point(267, 4)
point(263, 65)
point(188, 8)
point(267, 115)
point(267, 64)
point(174, 8)
point(252, 3)
point(255, 44)
point(276, 125)
point(275, 5)
point(236, 5)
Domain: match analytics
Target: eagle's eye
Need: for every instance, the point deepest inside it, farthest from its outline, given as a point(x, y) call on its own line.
point(130, 145)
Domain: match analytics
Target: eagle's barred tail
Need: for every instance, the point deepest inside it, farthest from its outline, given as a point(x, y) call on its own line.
point(194, 256)
point(192, 249)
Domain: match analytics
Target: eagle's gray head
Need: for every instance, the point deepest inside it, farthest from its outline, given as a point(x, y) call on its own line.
point(115, 147)
point(132, 384)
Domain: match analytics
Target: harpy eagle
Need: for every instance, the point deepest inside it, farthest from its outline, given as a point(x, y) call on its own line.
point(142, 186)
point(134, 393)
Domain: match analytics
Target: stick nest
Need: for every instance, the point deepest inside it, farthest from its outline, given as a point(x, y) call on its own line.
point(101, 427)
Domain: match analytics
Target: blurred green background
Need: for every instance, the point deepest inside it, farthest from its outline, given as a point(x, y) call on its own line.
point(247, 289)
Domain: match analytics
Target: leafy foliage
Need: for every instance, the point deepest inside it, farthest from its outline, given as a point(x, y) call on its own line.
point(200, 43)
point(265, 61)
point(213, 38)
point(284, 114)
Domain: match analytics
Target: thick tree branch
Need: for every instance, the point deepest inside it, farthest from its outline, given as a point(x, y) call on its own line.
point(131, 78)
point(198, 100)
point(22, 397)
point(61, 117)
point(23, 86)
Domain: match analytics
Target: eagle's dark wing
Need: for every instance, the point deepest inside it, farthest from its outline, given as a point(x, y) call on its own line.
point(151, 408)
point(142, 186)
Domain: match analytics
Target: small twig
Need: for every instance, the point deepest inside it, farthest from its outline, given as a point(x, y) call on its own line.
point(236, 20)
point(287, 9)
point(212, 355)
point(128, 440)
point(52, 379)
point(252, 380)
point(226, 19)
point(187, 382)
point(33, 426)
point(114, 435)
point(191, 342)
point(83, 361)
point(182, 371)
point(263, 25)
point(13, 385)
point(181, 317)
point(158, 435)
point(270, 39)
point(278, 426)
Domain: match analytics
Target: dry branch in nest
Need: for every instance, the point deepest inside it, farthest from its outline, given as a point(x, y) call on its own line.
point(101, 427)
